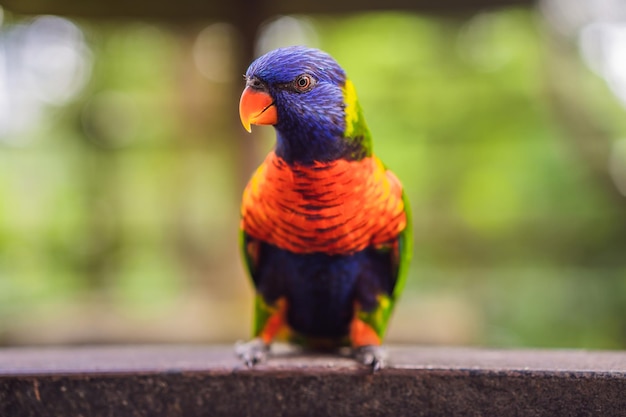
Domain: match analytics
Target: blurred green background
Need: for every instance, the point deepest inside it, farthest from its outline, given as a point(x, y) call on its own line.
point(122, 164)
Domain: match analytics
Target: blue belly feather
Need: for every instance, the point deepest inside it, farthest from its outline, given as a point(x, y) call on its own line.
point(321, 289)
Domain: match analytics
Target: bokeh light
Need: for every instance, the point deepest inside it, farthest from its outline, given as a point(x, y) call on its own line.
point(45, 62)
point(285, 31)
point(213, 52)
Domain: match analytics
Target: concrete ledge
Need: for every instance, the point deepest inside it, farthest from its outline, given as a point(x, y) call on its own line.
point(199, 381)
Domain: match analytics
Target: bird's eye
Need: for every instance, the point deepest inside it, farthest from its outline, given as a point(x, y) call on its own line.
point(304, 83)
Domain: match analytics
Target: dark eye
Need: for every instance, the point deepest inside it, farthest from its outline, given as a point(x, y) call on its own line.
point(304, 83)
point(255, 83)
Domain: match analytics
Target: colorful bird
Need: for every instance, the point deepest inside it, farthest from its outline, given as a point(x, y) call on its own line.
point(326, 233)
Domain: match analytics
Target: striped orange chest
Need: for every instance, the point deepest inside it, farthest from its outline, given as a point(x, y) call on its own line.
point(340, 207)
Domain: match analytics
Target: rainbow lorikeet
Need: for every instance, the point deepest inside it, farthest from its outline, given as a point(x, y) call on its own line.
point(326, 232)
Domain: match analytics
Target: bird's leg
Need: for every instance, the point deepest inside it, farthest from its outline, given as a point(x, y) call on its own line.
point(257, 349)
point(366, 344)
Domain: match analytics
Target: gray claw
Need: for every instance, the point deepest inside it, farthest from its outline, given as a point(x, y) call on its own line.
point(252, 352)
point(373, 356)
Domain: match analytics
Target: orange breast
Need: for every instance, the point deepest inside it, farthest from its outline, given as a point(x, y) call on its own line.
point(338, 208)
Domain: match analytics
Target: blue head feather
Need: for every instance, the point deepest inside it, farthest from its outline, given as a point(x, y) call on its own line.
point(311, 125)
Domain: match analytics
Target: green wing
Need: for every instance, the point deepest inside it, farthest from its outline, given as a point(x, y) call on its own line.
point(400, 260)
point(405, 249)
point(250, 248)
point(249, 254)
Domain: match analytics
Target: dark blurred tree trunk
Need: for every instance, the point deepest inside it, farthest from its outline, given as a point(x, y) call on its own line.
point(248, 22)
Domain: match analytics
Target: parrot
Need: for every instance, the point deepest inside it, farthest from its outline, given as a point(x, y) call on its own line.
point(325, 227)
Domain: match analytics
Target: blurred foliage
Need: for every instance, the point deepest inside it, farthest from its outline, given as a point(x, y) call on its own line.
point(125, 200)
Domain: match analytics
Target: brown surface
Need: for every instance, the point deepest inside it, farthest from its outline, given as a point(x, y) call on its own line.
point(198, 380)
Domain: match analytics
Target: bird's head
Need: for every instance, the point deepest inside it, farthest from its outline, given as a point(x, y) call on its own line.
point(307, 97)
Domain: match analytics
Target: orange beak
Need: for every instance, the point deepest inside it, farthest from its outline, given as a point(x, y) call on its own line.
point(256, 108)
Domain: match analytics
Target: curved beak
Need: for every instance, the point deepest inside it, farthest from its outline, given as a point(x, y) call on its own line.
point(256, 108)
